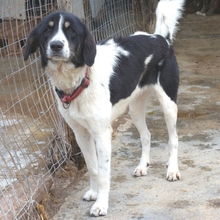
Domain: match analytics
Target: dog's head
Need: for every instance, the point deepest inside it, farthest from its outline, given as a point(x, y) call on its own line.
point(61, 36)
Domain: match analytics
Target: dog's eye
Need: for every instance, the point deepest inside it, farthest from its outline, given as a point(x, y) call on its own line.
point(71, 31)
point(47, 31)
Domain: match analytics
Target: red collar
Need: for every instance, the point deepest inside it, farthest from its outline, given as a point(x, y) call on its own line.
point(67, 99)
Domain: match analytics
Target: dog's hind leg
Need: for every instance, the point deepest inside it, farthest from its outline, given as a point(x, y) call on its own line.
point(170, 114)
point(137, 110)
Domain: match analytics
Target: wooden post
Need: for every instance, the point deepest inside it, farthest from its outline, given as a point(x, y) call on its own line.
point(144, 14)
point(75, 152)
point(76, 155)
point(64, 5)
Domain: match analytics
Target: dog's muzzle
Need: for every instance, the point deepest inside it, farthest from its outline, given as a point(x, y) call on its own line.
point(56, 46)
point(57, 50)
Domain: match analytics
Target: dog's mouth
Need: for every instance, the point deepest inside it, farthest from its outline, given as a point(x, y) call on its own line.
point(58, 56)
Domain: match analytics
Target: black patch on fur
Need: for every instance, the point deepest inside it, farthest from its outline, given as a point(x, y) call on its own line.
point(168, 73)
point(131, 70)
point(169, 76)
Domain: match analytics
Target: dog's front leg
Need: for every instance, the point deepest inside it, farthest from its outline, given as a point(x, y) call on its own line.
point(103, 146)
point(87, 146)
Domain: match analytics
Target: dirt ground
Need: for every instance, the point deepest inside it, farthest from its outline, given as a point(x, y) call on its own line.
point(197, 194)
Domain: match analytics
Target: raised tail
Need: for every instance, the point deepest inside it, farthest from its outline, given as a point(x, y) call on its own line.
point(168, 12)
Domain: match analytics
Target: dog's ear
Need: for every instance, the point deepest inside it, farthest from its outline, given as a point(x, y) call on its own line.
point(31, 44)
point(89, 48)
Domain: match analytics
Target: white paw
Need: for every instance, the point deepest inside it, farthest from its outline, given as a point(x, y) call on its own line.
point(200, 13)
point(90, 195)
point(173, 174)
point(98, 210)
point(140, 171)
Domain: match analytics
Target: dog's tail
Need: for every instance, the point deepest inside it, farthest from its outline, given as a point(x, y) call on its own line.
point(168, 12)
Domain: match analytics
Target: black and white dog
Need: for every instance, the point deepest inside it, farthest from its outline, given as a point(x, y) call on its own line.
point(94, 84)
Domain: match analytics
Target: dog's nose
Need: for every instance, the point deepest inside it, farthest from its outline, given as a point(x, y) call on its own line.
point(56, 46)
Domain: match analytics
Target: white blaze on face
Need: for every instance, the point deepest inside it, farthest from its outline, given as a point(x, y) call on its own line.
point(64, 54)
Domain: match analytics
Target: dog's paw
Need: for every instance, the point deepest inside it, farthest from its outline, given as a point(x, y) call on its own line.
point(98, 210)
point(173, 174)
point(200, 13)
point(90, 195)
point(140, 171)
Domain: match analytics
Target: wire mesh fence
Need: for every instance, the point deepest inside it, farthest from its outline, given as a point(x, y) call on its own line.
point(33, 140)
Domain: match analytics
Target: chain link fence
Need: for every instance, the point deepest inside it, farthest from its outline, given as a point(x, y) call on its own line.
point(33, 136)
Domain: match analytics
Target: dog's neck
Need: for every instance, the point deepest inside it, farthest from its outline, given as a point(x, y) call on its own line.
point(64, 76)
